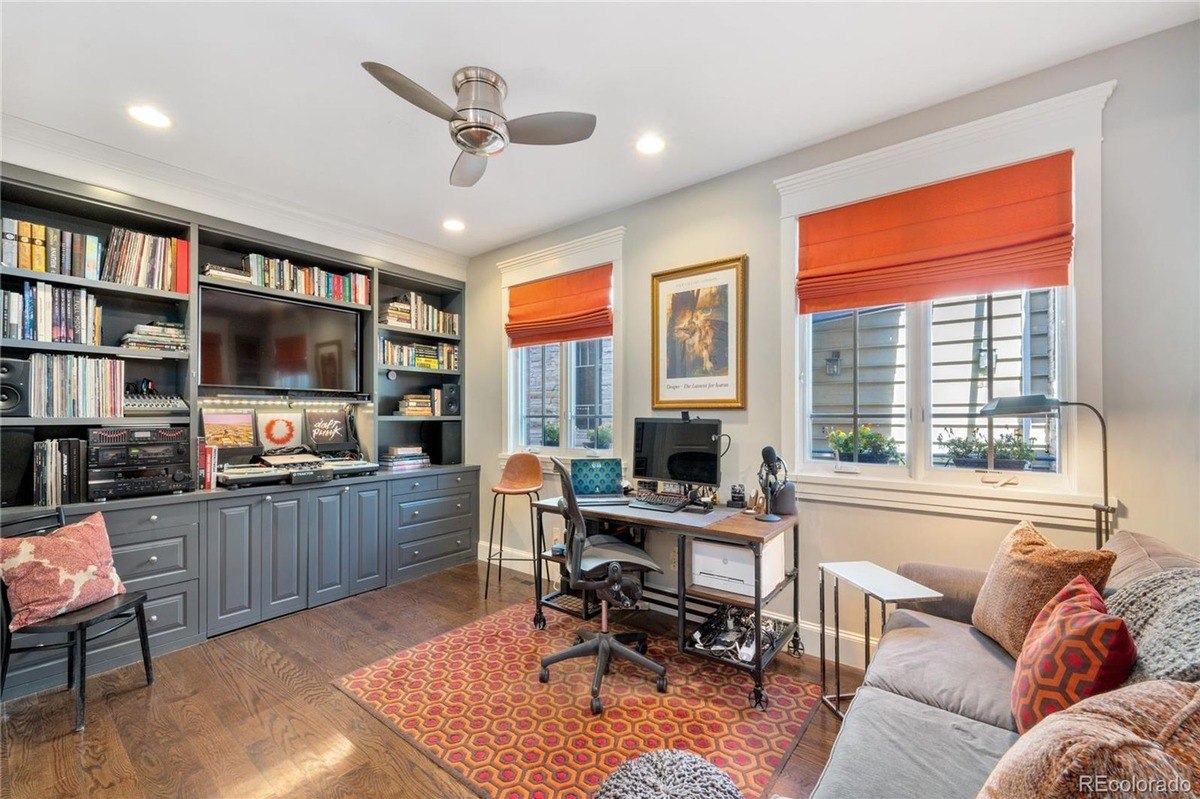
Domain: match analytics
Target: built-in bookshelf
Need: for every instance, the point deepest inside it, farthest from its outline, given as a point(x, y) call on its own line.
point(145, 296)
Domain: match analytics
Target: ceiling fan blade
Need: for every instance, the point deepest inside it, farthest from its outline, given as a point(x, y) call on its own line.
point(413, 92)
point(468, 169)
point(554, 127)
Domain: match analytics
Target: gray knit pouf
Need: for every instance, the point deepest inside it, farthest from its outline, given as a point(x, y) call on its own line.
point(668, 774)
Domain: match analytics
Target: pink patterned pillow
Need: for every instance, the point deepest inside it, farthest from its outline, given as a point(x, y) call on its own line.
point(53, 574)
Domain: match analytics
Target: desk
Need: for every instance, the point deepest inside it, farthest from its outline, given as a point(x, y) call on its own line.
point(874, 581)
point(727, 525)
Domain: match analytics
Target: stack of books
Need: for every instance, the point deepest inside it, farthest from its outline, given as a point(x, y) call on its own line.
point(42, 312)
point(403, 459)
point(69, 386)
point(238, 274)
point(410, 310)
point(152, 262)
point(422, 356)
point(59, 471)
point(160, 335)
point(39, 248)
point(206, 465)
point(416, 405)
point(280, 273)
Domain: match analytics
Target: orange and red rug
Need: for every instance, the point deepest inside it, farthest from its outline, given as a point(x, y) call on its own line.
point(471, 700)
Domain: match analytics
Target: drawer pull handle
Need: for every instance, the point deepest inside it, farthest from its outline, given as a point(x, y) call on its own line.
point(416, 513)
point(416, 552)
point(267, 497)
point(154, 518)
point(458, 543)
point(152, 559)
point(458, 479)
point(458, 506)
point(153, 618)
point(416, 485)
point(346, 490)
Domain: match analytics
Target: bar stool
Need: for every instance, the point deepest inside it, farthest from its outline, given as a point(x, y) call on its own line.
point(522, 475)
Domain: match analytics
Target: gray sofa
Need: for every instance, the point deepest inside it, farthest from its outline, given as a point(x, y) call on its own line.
point(932, 718)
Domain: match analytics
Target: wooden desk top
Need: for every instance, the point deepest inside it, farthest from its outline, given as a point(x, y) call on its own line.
point(728, 524)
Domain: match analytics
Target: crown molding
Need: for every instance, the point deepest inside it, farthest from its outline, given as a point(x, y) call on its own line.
point(54, 151)
point(1006, 123)
point(570, 256)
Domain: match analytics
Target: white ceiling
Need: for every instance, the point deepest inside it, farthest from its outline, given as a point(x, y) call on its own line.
point(271, 98)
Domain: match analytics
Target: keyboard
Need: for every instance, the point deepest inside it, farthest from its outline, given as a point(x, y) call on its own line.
point(667, 503)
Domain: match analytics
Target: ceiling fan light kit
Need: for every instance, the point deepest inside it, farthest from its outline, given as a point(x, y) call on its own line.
point(478, 124)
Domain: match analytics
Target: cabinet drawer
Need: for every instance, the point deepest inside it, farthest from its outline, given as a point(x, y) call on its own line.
point(156, 558)
point(426, 510)
point(433, 548)
point(172, 612)
point(410, 485)
point(151, 517)
point(457, 480)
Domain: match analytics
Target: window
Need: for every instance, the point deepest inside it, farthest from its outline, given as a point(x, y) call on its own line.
point(859, 367)
point(580, 418)
point(945, 359)
point(988, 346)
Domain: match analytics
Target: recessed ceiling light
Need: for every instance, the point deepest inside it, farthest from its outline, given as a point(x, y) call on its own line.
point(650, 144)
point(150, 116)
point(454, 225)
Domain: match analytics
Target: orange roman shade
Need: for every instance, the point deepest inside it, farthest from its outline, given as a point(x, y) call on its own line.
point(565, 308)
point(1008, 228)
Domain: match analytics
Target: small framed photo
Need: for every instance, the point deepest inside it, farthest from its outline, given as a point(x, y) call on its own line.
point(698, 331)
point(228, 429)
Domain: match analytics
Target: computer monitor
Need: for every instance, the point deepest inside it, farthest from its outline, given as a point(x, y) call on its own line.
point(678, 451)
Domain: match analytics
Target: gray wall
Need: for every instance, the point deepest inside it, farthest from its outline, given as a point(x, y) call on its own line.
point(1151, 289)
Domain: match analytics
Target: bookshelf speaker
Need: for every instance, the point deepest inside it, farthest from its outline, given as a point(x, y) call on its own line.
point(14, 387)
point(16, 476)
point(446, 447)
point(451, 399)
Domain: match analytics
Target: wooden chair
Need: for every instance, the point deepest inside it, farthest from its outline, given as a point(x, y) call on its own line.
point(122, 608)
point(522, 475)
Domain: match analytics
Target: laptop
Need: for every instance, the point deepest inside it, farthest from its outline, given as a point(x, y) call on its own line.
point(597, 481)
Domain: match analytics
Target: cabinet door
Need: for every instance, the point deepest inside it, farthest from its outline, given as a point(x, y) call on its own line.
point(329, 545)
point(285, 553)
point(234, 564)
point(368, 537)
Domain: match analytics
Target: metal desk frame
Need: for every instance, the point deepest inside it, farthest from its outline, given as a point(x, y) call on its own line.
point(789, 638)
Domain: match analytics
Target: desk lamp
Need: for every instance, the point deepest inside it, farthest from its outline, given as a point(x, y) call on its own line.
point(1041, 405)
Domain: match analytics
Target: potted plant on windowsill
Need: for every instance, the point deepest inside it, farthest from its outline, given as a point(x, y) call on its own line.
point(1011, 452)
point(873, 447)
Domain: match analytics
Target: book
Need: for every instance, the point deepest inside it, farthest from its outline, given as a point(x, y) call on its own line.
point(78, 256)
point(53, 250)
point(91, 257)
point(9, 256)
point(24, 245)
point(37, 237)
point(183, 267)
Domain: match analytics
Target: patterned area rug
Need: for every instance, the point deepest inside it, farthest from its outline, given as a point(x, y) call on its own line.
point(471, 700)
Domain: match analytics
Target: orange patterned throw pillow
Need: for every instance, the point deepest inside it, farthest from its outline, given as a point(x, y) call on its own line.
point(1074, 650)
point(53, 574)
point(1025, 574)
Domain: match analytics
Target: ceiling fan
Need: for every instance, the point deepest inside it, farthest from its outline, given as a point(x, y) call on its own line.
point(478, 126)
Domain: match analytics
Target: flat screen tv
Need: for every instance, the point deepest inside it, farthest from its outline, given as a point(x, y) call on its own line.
point(252, 341)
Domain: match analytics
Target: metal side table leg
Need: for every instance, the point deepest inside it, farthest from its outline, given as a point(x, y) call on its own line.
point(539, 543)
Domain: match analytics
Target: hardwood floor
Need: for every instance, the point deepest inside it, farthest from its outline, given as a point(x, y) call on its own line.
point(253, 714)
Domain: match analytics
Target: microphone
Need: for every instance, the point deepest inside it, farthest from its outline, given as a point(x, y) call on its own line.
point(768, 476)
point(770, 460)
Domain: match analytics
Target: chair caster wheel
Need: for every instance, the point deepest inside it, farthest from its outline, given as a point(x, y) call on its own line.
point(642, 646)
point(577, 640)
point(544, 675)
point(662, 684)
point(539, 622)
point(597, 706)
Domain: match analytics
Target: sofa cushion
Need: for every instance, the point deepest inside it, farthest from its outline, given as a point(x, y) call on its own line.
point(928, 659)
point(1027, 571)
point(1075, 649)
point(1163, 615)
point(1141, 740)
point(892, 746)
point(1140, 555)
point(65, 570)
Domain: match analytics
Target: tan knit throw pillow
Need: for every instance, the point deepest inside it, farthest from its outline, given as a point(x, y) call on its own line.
point(1026, 574)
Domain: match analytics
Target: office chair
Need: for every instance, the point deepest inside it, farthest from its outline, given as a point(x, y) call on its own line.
point(608, 566)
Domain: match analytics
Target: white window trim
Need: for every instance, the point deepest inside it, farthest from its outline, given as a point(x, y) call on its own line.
point(1068, 122)
point(604, 247)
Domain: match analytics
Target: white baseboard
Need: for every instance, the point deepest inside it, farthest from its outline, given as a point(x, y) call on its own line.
point(810, 631)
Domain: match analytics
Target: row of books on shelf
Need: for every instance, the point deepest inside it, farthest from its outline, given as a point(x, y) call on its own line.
point(160, 335)
point(67, 386)
point(59, 471)
point(130, 258)
point(422, 356)
point(206, 465)
point(412, 311)
point(282, 274)
point(403, 459)
point(427, 404)
point(42, 312)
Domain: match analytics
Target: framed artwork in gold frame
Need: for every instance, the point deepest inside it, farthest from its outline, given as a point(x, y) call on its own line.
point(698, 331)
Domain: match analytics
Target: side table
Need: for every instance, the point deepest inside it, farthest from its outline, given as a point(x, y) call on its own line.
point(874, 581)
